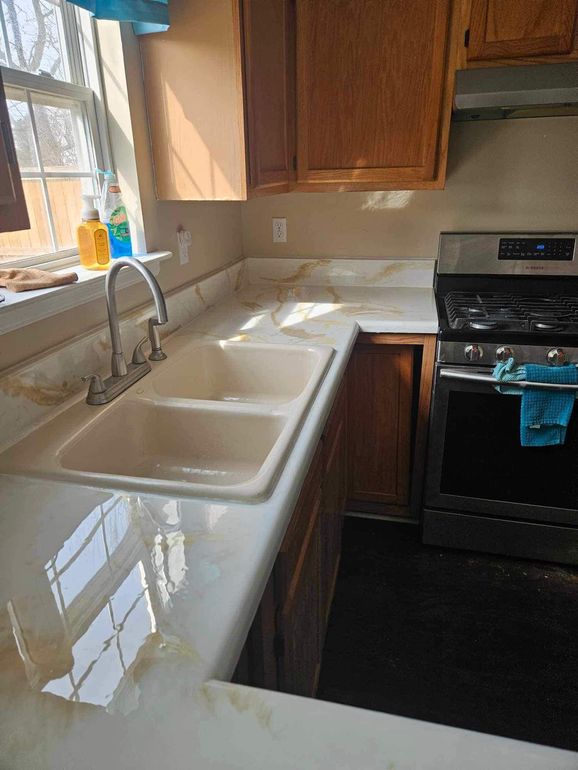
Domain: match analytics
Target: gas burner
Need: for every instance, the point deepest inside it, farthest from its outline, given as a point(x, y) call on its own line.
point(547, 325)
point(484, 324)
point(490, 311)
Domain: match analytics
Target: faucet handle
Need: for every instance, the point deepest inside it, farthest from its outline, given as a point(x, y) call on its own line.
point(138, 357)
point(96, 383)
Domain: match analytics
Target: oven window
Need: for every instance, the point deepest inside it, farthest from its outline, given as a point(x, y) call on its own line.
point(483, 457)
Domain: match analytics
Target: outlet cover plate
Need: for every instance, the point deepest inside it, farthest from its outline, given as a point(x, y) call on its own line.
point(279, 230)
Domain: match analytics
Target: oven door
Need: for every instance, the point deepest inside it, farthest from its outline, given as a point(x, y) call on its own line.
point(475, 461)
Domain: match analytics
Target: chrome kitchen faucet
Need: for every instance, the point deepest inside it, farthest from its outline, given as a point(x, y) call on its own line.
point(124, 375)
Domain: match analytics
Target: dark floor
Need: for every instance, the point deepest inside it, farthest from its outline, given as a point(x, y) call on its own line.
point(475, 641)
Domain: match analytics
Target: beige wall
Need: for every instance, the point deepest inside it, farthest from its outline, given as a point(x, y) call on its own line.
point(511, 174)
point(215, 227)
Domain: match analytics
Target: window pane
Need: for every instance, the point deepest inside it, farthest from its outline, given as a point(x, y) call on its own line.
point(66, 205)
point(35, 37)
point(61, 133)
point(36, 241)
point(21, 128)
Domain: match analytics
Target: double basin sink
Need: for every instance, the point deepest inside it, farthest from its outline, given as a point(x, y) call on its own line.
point(214, 420)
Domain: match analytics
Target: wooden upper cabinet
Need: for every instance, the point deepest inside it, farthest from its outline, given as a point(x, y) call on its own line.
point(13, 213)
point(219, 97)
point(269, 67)
point(374, 89)
point(502, 29)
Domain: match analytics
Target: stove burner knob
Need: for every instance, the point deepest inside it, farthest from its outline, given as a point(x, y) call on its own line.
point(473, 352)
point(503, 353)
point(556, 357)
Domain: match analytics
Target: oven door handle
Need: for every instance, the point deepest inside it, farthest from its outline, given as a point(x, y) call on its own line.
point(451, 374)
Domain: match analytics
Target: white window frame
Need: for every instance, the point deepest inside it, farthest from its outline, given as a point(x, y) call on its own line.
point(80, 37)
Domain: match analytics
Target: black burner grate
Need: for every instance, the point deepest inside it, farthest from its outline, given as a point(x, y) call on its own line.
point(509, 311)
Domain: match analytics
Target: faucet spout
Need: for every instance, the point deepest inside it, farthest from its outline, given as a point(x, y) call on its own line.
point(118, 362)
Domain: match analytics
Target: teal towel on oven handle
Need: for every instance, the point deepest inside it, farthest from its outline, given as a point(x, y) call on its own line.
point(509, 372)
point(545, 414)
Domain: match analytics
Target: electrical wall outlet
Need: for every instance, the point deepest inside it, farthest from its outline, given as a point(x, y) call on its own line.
point(279, 230)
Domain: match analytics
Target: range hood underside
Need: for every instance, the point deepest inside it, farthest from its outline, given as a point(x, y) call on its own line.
point(495, 93)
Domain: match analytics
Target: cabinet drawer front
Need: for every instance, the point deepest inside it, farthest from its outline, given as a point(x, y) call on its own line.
point(516, 28)
point(370, 88)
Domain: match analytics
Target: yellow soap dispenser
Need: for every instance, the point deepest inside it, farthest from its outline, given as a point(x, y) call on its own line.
point(92, 237)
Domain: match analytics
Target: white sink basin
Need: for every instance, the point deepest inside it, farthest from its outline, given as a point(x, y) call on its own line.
point(245, 372)
point(151, 441)
point(217, 421)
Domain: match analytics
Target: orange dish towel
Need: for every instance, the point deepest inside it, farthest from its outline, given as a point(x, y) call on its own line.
point(26, 279)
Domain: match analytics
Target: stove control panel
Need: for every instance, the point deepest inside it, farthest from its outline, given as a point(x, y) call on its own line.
point(486, 355)
point(543, 249)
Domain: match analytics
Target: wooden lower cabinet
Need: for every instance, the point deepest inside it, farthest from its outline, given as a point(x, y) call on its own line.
point(389, 399)
point(289, 627)
point(300, 622)
point(380, 414)
point(372, 448)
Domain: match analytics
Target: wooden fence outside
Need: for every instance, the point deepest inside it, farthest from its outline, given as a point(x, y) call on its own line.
point(66, 202)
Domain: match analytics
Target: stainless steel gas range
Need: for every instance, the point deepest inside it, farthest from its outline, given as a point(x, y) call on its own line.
point(500, 295)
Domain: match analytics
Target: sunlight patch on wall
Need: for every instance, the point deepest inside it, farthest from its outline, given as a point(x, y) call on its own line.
point(393, 199)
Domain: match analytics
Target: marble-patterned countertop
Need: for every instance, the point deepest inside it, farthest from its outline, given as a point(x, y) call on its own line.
point(122, 615)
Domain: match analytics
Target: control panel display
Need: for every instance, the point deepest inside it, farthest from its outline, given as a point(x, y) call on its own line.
point(544, 249)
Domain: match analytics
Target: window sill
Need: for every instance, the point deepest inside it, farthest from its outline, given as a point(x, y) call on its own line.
point(22, 308)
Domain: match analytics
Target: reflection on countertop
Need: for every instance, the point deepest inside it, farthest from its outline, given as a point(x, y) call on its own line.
point(100, 605)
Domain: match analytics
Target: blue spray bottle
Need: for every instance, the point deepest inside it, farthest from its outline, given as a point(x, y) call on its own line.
point(113, 215)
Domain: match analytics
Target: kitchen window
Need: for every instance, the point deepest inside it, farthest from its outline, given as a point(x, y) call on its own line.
point(49, 61)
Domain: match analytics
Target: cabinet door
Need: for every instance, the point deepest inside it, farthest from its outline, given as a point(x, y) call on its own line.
point(370, 92)
point(300, 619)
point(512, 28)
point(269, 69)
point(380, 396)
point(257, 665)
point(194, 99)
point(13, 213)
point(297, 586)
point(334, 487)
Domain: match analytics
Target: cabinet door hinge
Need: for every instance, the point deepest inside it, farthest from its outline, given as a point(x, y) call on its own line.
point(467, 38)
